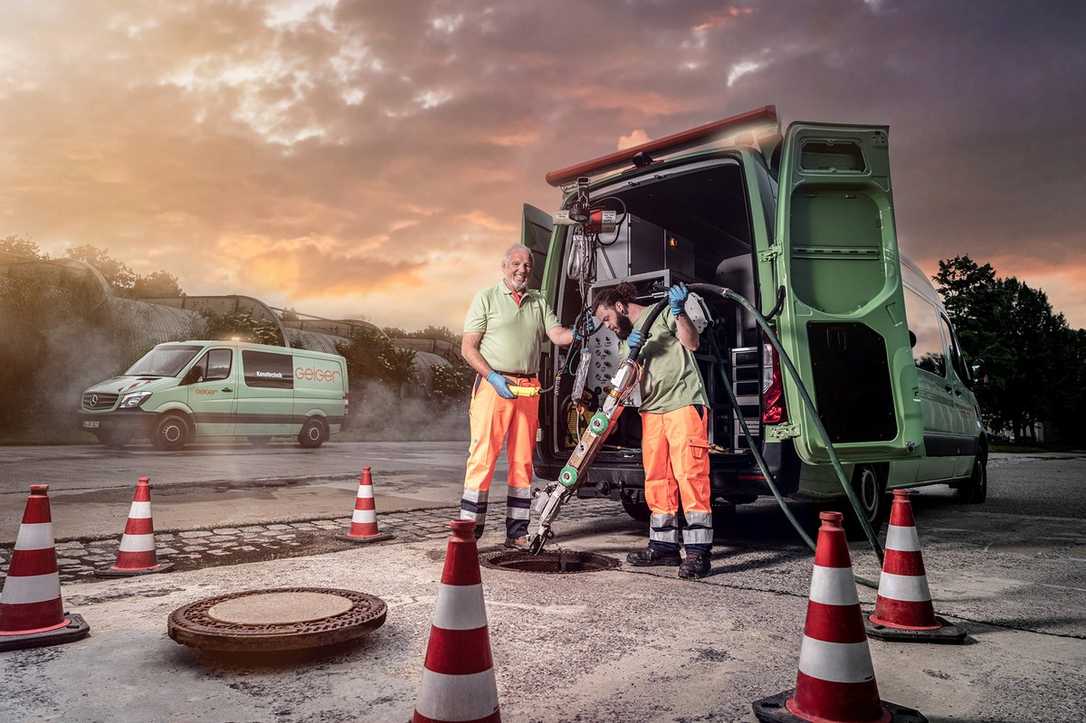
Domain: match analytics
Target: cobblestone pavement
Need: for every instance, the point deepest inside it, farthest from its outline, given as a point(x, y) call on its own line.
point(192, 549)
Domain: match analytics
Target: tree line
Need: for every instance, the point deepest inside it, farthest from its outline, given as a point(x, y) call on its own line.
point(1033, 364)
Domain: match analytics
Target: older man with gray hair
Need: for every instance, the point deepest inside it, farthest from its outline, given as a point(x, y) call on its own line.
point(502, 335)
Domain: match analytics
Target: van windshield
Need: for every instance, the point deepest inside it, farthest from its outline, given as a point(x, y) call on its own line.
point(163, 361)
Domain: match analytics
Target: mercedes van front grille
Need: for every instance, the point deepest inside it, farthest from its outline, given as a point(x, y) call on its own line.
point(97, 400)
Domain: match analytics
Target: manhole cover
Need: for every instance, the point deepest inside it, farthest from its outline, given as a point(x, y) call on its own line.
point(289, 618)
point(554, 561)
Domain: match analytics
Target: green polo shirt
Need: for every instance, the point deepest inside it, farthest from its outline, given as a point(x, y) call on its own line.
point(671, 380)
point(511, 332)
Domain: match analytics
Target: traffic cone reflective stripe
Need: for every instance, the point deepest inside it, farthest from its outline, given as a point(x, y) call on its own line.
point(904, 602)
point(836, 680)
point(30, 601)
point(364, 518)
point(136, 555)
point(31, 608)
point(458, 678)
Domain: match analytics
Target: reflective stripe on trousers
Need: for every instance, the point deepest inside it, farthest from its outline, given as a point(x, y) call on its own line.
point(675, 451)
point(495, 421)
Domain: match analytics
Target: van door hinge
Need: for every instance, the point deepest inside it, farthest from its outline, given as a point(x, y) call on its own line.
point(770, 254)
point(781, 432)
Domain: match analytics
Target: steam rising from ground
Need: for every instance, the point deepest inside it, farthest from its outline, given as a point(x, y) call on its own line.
point(379, 414)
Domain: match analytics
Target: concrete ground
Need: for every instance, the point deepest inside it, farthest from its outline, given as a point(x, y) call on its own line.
point(624, 645)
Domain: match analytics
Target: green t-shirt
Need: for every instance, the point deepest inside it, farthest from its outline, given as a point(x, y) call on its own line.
point(511, 333)
point(671, 379)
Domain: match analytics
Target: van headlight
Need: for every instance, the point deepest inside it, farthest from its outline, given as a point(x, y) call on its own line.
point(133, 400)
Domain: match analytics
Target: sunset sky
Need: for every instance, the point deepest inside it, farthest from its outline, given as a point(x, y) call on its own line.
point(371, 158)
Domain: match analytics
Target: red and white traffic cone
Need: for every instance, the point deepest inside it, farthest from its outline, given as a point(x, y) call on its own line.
point(364, 519)
point(903, 609)
point(136, 554)
point(31, 610)
point(836, 681)
point(458, 679)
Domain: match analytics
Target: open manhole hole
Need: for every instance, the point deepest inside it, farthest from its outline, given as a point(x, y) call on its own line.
point(549, 562)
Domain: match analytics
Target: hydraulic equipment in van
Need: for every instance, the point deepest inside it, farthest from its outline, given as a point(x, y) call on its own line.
point(551, 499)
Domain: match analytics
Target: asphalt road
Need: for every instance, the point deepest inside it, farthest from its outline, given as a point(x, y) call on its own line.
point(223, 485)
point(627, 645)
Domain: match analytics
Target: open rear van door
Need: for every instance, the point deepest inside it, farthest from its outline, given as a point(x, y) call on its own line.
point(843, 321)
point(535, 233)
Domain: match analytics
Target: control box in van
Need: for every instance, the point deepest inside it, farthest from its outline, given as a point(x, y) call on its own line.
point(180, 392)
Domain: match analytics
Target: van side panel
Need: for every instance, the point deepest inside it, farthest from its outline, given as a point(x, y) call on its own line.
point(266, 393)
point(319, 387)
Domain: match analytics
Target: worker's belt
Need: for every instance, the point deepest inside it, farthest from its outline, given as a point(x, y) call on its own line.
point(518, 375)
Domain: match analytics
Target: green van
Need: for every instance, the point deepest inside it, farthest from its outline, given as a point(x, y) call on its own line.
point(802, 224)
point(184, 391)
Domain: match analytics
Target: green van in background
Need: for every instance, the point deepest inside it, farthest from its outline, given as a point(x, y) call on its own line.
point(195, 390)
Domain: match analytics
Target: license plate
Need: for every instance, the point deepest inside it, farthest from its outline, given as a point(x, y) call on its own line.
point(91, 424)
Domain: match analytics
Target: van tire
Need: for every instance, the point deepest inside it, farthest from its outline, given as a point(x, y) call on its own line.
point(869, 484)
point(974, 490)
point(172, 432)
point(314, 433)
point(635, 507)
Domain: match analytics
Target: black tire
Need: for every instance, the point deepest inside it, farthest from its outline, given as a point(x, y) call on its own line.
point(259, 441)
point(869, 484)
point(314, 433)
point(172, 432)
point(636, 507)
point(974, 491)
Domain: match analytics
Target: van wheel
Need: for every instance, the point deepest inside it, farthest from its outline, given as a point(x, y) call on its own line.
point(975, 490)
point(869, 484)
point(635, 507)
point(171, 433)
point(314, 433)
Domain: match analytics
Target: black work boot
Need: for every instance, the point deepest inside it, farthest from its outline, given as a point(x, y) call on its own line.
point(653, 556)
point(695, 565)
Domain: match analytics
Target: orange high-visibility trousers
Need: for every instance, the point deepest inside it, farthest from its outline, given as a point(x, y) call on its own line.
point(493, 421)
point(675, 451)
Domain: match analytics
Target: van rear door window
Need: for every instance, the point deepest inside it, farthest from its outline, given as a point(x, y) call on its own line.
point(923, 321)
point(955, 353)
point(264, 369)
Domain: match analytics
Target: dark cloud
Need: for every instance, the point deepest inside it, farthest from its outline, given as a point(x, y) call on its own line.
point(361, 157)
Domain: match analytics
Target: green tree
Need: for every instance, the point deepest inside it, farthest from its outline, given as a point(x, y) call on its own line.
point(244, 326)
point(20, 246)
point(156, 284)
point(371, 356)
point(1032, 359)
point(116, 274)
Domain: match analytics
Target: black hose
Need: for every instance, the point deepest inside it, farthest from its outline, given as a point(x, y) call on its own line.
point(771, 336)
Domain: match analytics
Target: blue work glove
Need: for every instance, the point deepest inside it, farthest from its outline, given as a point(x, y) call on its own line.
point(676, 297)
point(588, 328)
point(500, 384)
point(634, 341)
